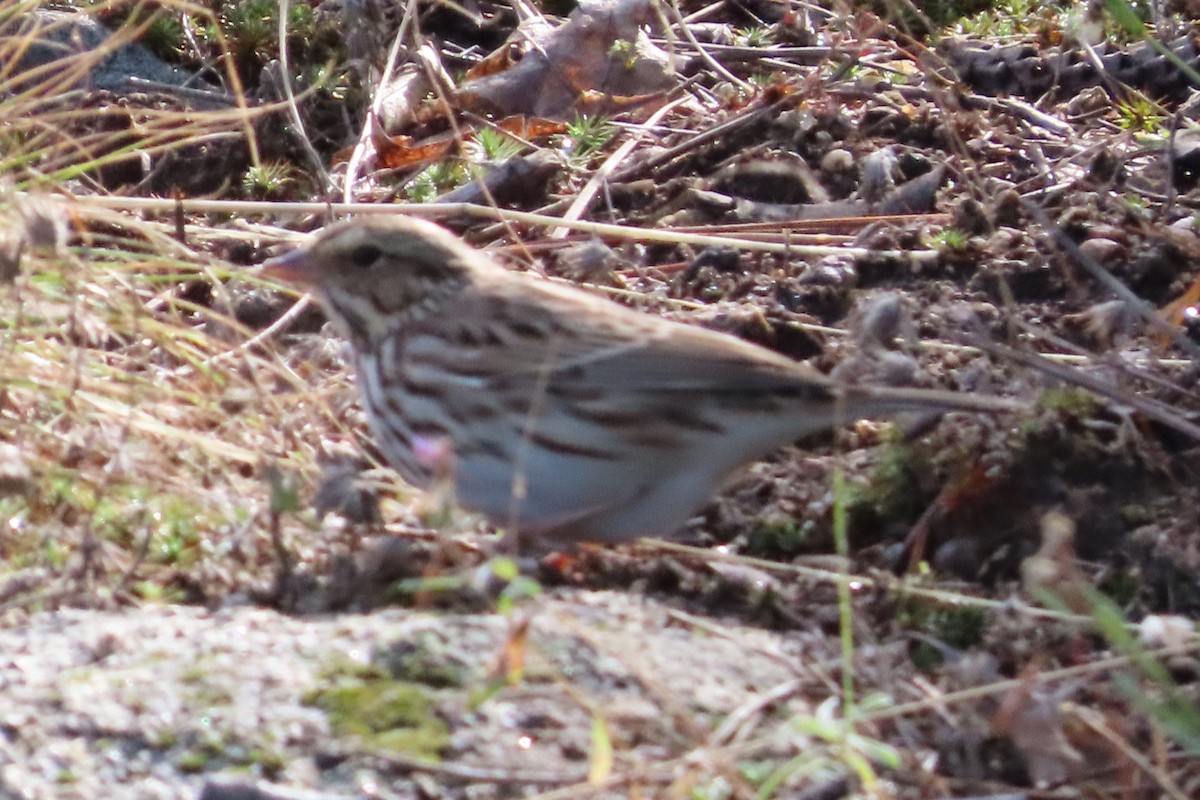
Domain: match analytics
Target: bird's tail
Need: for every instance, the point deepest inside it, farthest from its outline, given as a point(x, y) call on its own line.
point(866, 401)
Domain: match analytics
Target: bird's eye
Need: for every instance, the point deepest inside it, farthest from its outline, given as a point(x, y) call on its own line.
point(364, 255)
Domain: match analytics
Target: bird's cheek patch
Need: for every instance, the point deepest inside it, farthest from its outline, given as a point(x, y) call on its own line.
point(392, 295)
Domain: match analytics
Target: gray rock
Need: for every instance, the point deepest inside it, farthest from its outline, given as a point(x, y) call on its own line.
point(55, 46)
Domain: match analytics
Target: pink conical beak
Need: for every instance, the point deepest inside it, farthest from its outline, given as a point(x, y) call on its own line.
point(298, 266)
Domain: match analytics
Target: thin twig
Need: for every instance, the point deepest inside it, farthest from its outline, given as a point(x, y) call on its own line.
point(1151, 408)
point(293, 108)
point(266, 334)
point(1109, 281)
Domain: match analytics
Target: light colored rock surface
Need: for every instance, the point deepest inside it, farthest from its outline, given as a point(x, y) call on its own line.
point(155, 702)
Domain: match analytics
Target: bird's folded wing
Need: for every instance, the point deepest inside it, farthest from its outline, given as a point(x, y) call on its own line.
point(628, 350)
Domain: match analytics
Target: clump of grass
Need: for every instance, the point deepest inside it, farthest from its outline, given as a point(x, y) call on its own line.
point(754, 36)
point(1138, 114)
point(165, 36)
point(116, 409)
point(250, 28)
point(586, 136)
point(949, 239)
point(138, 421)
point(494, 146)
point(275, 180)
point(436, 179)
point(1002, 19)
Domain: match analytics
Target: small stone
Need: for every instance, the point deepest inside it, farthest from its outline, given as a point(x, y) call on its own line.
point(1103, 250)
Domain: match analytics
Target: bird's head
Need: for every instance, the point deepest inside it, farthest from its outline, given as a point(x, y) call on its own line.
point(377, 272)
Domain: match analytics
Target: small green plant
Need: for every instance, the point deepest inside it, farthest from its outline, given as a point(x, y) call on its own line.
point(435, 179)
point(516, 585)
point(1148, 685)
point(1128, 18)
point(829, 740)
point(250, 27)
point(1070, 401)
point(841, 537)
point(777, 537)
point(1005, 20)
point(948, 627)
point(164, 36)
point(587, 135)
point(949, 239)
point(494, 146)
point(273, 180)
point(382, 714)
point(1138, 114)
point(625, 50)
point(336, 84)
point(894, 491)
point(830, 745)
point(755, 36)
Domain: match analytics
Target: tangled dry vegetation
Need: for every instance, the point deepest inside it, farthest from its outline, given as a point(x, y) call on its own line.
point(184, 504)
